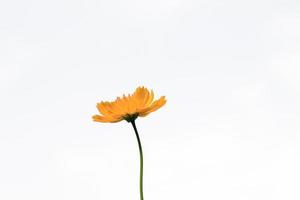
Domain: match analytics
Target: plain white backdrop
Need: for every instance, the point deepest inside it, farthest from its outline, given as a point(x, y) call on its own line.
point(229, 69)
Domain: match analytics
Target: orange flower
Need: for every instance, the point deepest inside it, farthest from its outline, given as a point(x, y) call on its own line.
point(139, 104)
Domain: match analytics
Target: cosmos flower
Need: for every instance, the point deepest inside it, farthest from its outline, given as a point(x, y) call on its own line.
point(139, 104)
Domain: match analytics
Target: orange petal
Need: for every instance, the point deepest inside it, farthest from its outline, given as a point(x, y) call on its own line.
point(150, 98)
point(102, 108)
point(98, 118)
point(154, 106)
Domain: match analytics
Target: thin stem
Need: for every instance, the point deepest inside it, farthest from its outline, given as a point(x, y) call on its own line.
point(141, 159)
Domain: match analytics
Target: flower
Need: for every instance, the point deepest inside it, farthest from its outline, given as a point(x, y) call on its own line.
point(139, 104)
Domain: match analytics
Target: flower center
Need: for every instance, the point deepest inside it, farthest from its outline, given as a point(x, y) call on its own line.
point(130, 117)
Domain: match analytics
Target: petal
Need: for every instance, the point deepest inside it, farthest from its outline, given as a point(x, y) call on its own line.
point(108, 111)
point(154, 106)
point(138, 96)
point(143, 97)
point(119, 104)
point(98, 118)
point(102, 108)
point(125, 101)
point(113, 109)
point(150, 99)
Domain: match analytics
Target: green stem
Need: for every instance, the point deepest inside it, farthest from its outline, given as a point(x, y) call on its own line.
point(141, 159)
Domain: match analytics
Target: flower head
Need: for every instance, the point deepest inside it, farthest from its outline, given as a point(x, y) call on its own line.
point(139, 104)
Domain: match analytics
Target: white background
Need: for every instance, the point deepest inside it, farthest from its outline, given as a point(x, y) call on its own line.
point(229, 69)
